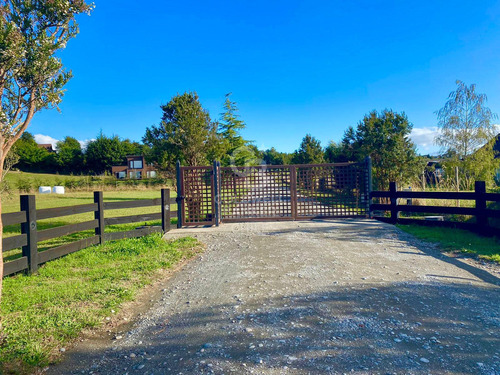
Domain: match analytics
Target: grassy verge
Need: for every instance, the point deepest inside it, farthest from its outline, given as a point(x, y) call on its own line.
point(458, 240)
point(43, 312)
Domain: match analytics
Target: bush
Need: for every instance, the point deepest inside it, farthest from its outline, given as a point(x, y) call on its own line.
point(24, 185)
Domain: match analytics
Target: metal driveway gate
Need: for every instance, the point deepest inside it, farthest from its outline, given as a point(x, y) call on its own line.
point(211, 195)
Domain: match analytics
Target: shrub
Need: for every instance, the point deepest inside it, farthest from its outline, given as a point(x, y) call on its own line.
point(24, 185)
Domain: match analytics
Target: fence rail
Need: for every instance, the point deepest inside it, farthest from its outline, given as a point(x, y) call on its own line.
point(480, 210)
point(30, 236)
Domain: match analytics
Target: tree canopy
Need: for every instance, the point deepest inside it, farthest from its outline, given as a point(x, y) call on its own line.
point(309, 152)
point(384, 137)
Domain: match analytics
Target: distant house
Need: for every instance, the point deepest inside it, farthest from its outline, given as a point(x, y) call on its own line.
point(46, 146)
point(136, 168)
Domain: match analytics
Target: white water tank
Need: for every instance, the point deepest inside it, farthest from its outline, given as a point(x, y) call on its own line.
point(58, 190)
point(44, 189)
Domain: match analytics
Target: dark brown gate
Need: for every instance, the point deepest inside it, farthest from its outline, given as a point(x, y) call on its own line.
point(269, 192)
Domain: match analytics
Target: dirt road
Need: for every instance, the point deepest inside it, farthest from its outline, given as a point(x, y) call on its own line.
point(316, 297)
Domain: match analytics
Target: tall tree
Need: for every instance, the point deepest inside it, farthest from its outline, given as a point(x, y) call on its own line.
point(467, 134)
point(232, 142)
point(104, 152)
point(335, 153)
point(32, 78)
point(31, 156)
point(384, 137)
point(465, 123)
point(309, 152)
point(184, 134)
point(70, 155)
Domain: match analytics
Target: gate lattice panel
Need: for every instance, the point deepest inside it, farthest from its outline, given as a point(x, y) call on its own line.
point(255, 193)
point(265, 193)
point(197, 190)
point(336, 190)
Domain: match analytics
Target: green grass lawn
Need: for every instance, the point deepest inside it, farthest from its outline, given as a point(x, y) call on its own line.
point(458, 240)
point(43, 312)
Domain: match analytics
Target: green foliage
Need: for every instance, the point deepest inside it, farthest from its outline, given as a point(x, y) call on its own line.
point(384, 137)
point(31, 156)
point(310, 152)
point(103, 153)
point(232, 144)
point(184, 134)
point(273, 157)
point(69, 155)
point(468, 134)
point(32, 77)
point(24, 185)
point(334, 153)
point(77, 292)
point(465, 123)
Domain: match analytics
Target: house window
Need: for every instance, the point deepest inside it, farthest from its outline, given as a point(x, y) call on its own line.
point(151, 174)
point(138, 175)
point(122, 174)
point(136, 164)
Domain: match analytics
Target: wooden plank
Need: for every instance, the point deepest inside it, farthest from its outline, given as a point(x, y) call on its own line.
point(131, 233)
point(69, 248)
point(15, 266)
point(28, 204)
point(492, 213)
point(132, 204)
point(13, 218)
point(10, 243)
point(495, 197)
point(380, 194)
point(64, 230)
point(439, 210)
point(173, 201)
point(48, 213)
point(132, 219)
point(380, 207)
point(436, 195)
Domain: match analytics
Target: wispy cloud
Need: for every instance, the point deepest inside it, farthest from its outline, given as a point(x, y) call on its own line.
point(424, 138)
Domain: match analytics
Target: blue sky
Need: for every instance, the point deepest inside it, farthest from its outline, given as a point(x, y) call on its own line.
point(294, 67)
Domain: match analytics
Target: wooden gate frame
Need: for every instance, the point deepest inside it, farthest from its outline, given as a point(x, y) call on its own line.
point(212, 211)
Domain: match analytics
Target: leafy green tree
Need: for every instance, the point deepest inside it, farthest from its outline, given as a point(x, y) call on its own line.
point(70, 155)
point(273, 157)
point(185, 133)
point(384, 137)
point(309, 152)
point(335, 153)
point(467, 133)
point(132, 147)
point(31, 156)
point(32, 77)
point(104, 152)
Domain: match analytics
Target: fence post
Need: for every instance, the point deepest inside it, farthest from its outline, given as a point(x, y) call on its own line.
point(481, 218)
point(393, 188)
point(179, 194)
point(165, 210)
point(99, 216)
point(216, 192)
point(369, 186)
point(28, 204)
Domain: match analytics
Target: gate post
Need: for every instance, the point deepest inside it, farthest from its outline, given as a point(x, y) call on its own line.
point(179, 194)
point(368, 185)
point(393, 189)
point(216, 192)
point(293, 191)
point(30, 250)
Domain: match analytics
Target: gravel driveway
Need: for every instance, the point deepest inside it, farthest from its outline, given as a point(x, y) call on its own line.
point(316, 297)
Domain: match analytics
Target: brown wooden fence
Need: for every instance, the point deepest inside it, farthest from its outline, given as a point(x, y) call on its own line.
point(480, 210)
point(30, 235)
